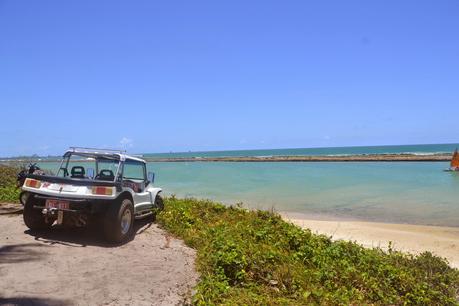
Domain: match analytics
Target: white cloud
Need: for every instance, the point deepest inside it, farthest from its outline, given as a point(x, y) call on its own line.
point(126, 142)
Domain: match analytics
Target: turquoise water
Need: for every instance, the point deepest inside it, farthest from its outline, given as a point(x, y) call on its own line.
point(399, 192)
point(417, 193)
point(412, 192)
point(414, 149)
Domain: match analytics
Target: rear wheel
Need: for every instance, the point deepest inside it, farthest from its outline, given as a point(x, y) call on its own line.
point(119, 221)
point(23, 197)
point(33, 218)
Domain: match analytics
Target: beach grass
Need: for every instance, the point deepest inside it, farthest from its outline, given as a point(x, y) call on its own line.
point(8, 191)
point(253, 257)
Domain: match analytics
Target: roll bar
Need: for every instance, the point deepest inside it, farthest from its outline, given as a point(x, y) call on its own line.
point(96, 150)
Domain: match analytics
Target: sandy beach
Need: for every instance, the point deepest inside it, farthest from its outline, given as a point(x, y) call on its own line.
point(415, 239)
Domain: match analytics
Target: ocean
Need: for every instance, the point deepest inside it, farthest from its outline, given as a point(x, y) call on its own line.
point(396, 192)
point(423, 149)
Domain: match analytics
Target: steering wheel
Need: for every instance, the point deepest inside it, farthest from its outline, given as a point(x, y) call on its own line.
point(106, 172)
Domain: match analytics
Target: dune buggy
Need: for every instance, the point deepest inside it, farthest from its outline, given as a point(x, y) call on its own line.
point(107, 187)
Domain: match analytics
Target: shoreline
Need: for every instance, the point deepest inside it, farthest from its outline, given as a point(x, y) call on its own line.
point(442, 241)
point(404, 157)
point(313, 158)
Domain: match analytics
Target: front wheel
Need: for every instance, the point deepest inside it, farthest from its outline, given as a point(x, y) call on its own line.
point(119, 221)
point(159, 202)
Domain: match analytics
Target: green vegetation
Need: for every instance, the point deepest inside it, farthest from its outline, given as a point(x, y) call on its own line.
point(256, 258)
point(8, 191)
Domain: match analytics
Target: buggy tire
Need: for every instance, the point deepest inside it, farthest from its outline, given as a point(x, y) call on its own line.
point(23, 197)
point(159, 202)
point(119, 221)
point(33, 218)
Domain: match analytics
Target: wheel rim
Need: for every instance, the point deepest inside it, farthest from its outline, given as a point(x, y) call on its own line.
point(126, 221)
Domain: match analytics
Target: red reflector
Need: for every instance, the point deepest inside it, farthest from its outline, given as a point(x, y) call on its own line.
point(102, 190)
point(32, 183)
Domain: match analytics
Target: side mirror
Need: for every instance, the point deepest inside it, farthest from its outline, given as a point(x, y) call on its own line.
point(90, 173)
point(151, 177)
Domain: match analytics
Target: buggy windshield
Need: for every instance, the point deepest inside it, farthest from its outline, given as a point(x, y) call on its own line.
point(89, 166)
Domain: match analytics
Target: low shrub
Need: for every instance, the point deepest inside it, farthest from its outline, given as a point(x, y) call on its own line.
point(8, 191)
point(256, 258)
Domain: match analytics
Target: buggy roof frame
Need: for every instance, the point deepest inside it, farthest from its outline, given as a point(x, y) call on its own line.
point(102, 153)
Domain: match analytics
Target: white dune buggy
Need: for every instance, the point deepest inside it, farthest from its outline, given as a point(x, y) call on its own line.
point(104, 186)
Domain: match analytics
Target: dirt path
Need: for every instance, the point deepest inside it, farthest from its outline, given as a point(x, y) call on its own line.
point(75, 267)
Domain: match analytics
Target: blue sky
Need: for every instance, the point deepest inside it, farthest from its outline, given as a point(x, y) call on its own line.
point(155, 76)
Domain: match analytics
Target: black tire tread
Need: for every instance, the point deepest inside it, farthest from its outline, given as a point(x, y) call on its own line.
point(33, 218)
point(159, 202)
point(112, 219)
point(21, 195)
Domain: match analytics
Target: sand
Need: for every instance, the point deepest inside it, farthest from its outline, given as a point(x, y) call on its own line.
point(75, 267)
point(415, 239)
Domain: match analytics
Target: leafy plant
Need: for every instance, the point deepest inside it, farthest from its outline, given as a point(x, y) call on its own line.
point(256, 258)
point(8, 190)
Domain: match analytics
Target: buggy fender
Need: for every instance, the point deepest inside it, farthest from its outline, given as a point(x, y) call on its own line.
point(154, 191)
point(128, 194)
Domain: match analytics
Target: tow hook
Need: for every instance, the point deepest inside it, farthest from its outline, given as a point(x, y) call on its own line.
point(51, 212)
